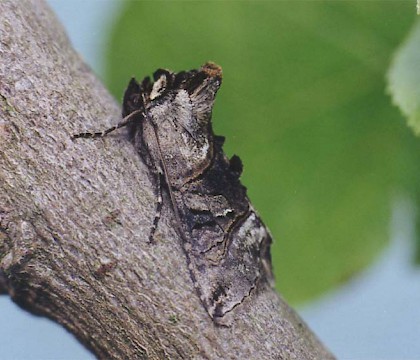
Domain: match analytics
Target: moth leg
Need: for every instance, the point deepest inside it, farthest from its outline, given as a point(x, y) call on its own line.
point(124, 122)
point(159, 203)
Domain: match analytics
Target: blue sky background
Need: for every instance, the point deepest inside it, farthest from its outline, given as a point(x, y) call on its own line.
point(376, 316)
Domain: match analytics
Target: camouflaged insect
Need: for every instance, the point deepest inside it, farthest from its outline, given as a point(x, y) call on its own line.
point(226, 245)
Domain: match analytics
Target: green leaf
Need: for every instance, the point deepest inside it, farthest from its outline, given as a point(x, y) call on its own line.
point(303, 104)
point(404, 79)
point(404, 87)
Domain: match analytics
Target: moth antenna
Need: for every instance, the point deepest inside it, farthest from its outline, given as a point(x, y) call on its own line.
point(124, 122)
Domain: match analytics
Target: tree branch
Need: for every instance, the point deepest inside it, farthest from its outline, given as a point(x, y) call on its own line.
point(73, 219)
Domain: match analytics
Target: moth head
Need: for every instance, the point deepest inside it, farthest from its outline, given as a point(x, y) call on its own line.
point(187, 97)
point(201, 86)
point(180, 106)
point(202, 83)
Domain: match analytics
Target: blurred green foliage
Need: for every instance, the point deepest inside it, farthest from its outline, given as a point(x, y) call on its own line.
point(404, 79)
point(303, 104)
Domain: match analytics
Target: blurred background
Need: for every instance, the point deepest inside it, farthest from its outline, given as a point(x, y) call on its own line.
point(329, 162)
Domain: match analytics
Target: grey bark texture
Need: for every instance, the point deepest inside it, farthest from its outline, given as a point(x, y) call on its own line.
point(74, 218)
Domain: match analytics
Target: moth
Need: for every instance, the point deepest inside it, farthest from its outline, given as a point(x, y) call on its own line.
point(226, 245)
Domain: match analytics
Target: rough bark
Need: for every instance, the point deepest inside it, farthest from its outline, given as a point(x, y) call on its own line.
point(74, 218)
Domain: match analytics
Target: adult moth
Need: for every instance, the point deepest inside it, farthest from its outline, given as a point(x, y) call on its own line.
point(227, 247)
